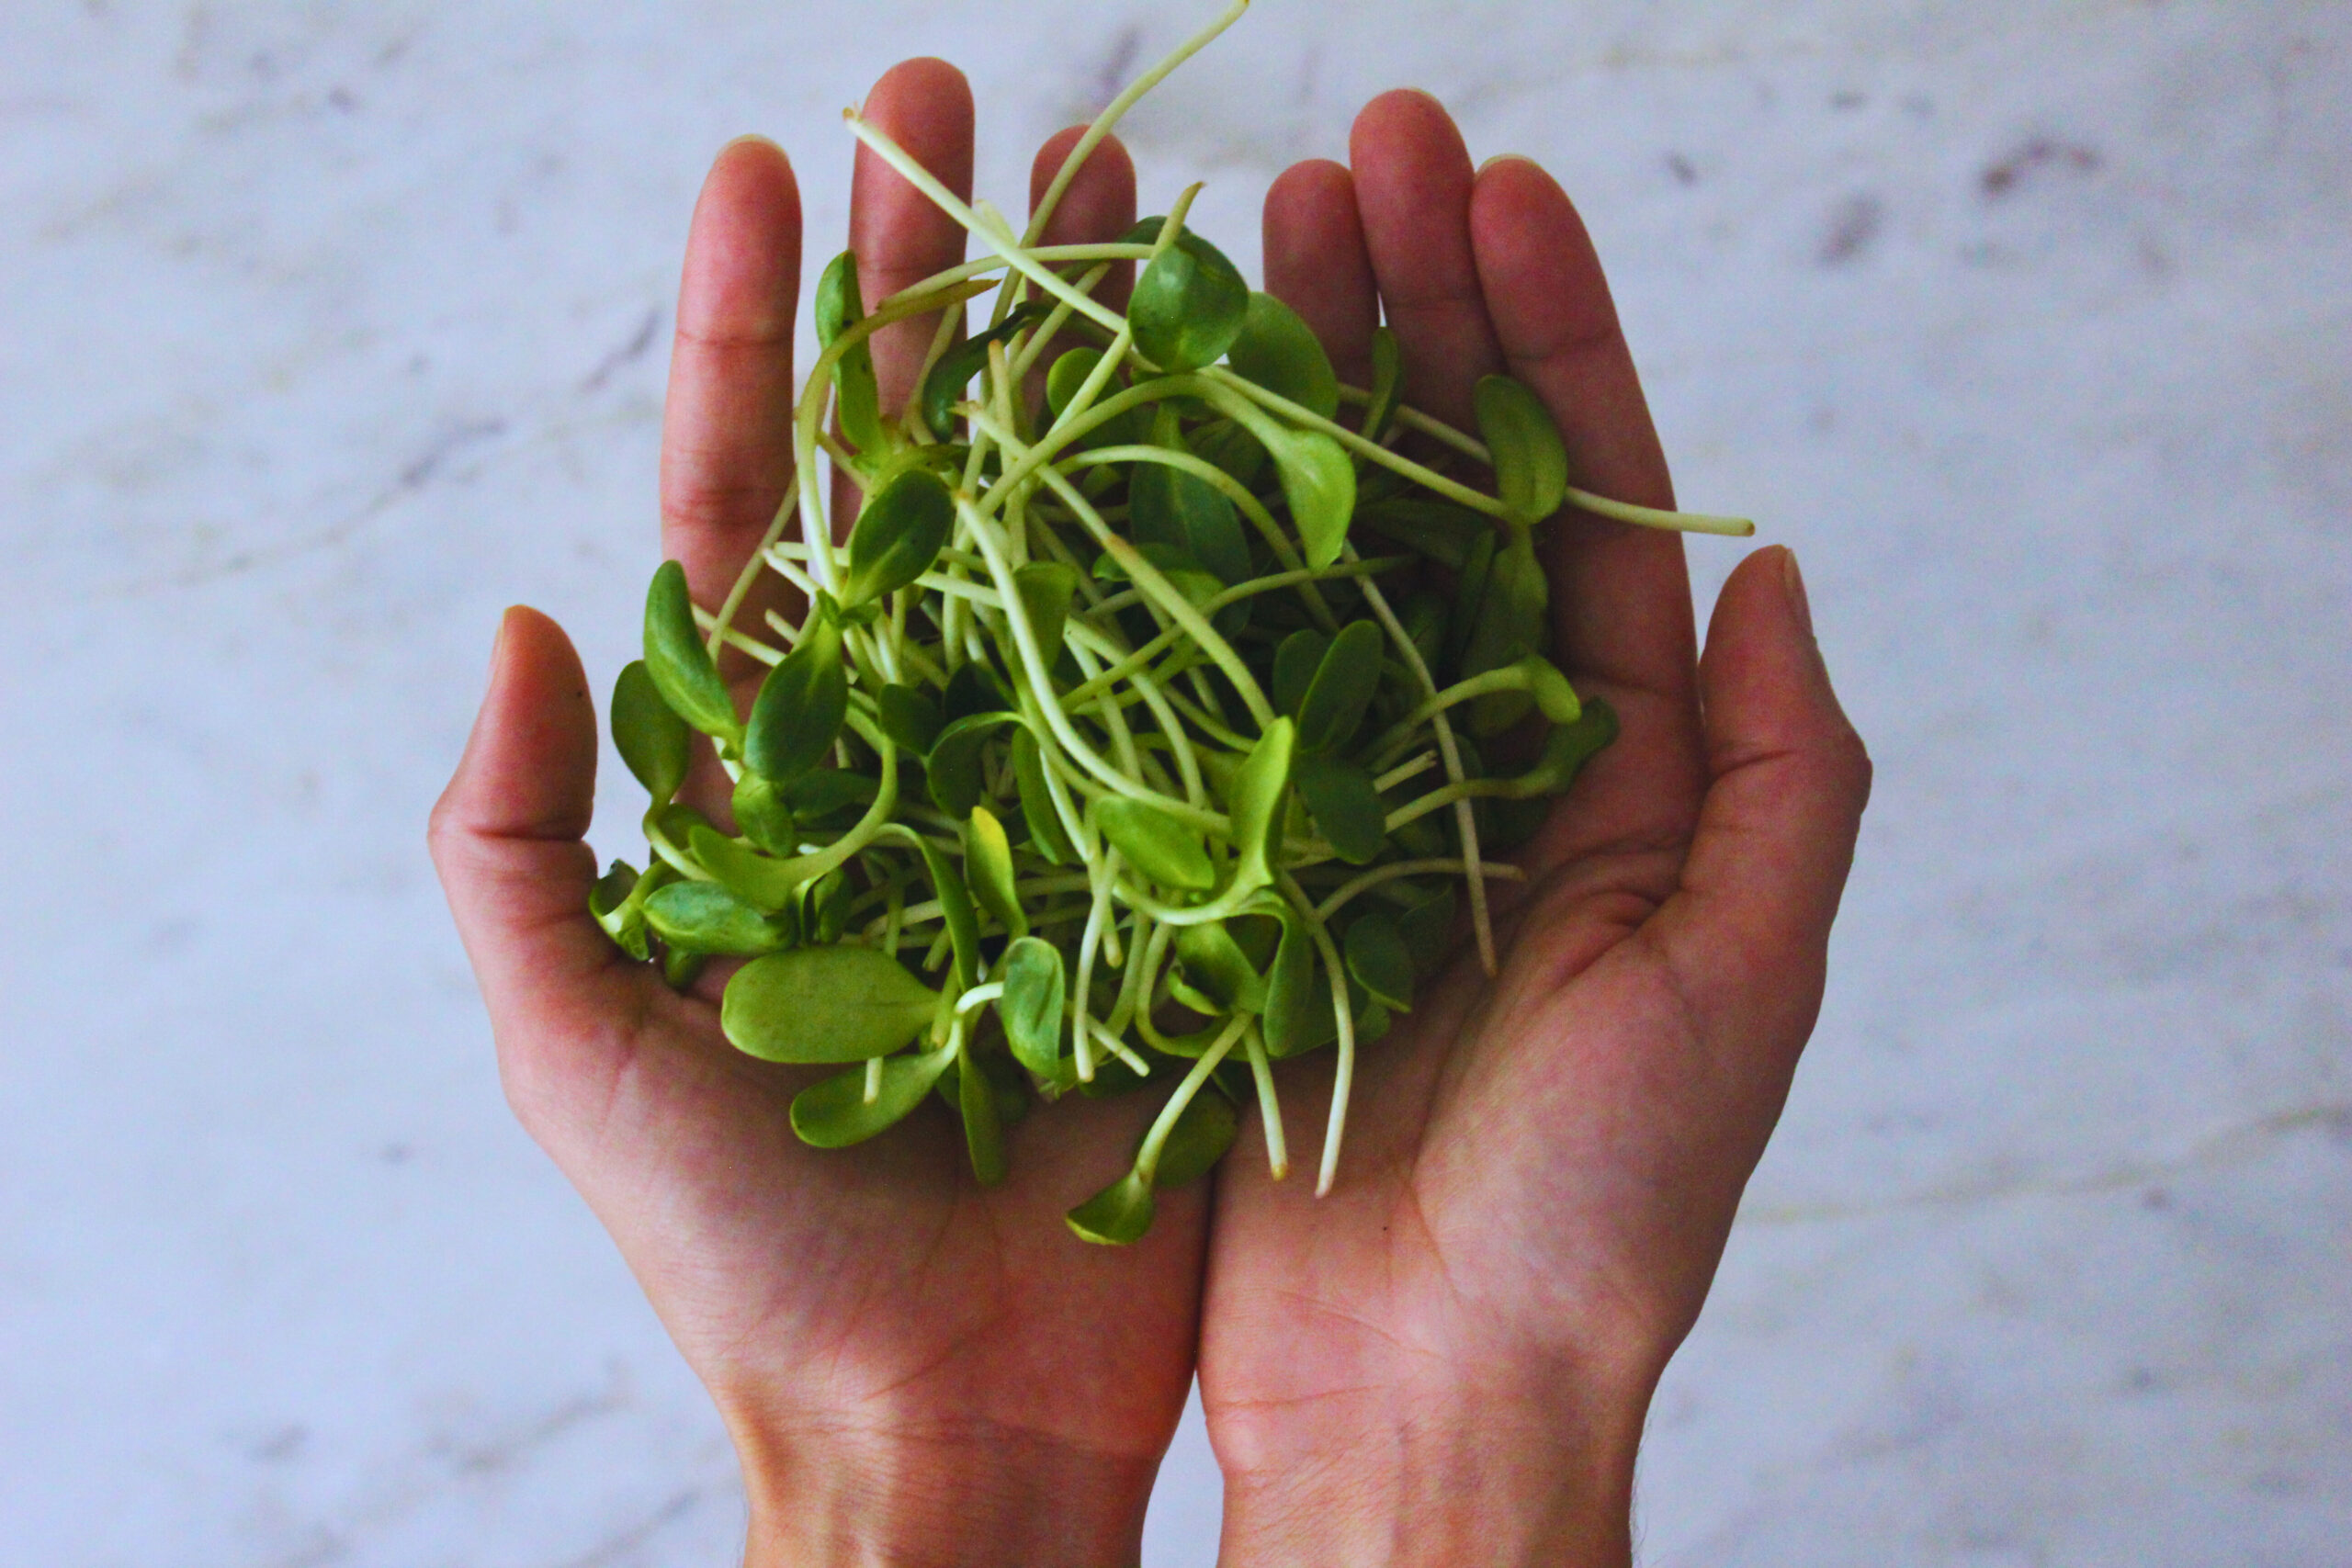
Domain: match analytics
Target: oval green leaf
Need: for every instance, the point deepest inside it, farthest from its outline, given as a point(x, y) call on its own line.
point(963, 921)
point(1345, 680)
point(1188, 306)
point(988, 868)
point(654, 741)
point(1297, 658)
point(1046, 835)
point(953, 769)
point(856, 398)
point(679, 663)
point(1320, 485)
point(824, 1004)
point(1531, 463)
point(1216, 968)
point(983, 1124)
point(1345, 805)
point(1036, 996)
point(705, 917)
point(909, 717)
point(1388, 380)
point(802, 703)
point(763, 816)
point(1278, 350)
point(1205, 1130)
point(1379, 961)
point(1045, 589)
point(1254, 801)
point(898, 535)
point(1163, 849)
point(1117, 1215)
point(833, 1113)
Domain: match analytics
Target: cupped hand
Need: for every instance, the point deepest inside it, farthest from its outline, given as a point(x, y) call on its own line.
point(915, 1369)
point(1448, 1360)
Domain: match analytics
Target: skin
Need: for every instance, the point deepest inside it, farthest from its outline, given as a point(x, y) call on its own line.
point(1448, 1360)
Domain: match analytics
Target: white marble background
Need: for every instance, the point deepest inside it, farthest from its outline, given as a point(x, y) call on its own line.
point(326, 331)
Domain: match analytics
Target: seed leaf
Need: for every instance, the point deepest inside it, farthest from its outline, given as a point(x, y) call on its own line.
point(953, 769)
point(983, 1126)
point(897, 535)
point(1387, 379)
point(758, 880)
point(679, 663)
point(1169, 506)
point(833, 1113)
point(1036, 996)
point(908, 717)
point(988, 867)
point(1188, 306)
point(1279, 351)
point(1345, 805)
point(653, 740)
point(1046, 835)
point(703, 917)
point(1379, 961)
point(1216, 968)
point(1204, 1128)
point(1298, 1002)
point(1428, 929)
point(824, 1004)
point(1045, 588)
point(1117, 1215)
point(1513, 621)
point(1320, 485)
point(963, 921)
point(1531, 463)
point(1297, 658)
point(1156, 844)
point(622, 915)
point(855, 399)
point(801, 705)
point(945, 385)
point(1437, 529)
point(1345, 680)
point(1254, 799)
point(763, 815)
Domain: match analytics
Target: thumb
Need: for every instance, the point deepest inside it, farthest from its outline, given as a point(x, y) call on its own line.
point(505, 835)
point(1747, 933)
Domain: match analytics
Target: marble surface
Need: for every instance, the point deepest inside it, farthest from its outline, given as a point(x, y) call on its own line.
point(325, 330)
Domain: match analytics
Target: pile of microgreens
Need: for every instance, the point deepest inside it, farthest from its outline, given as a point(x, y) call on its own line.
point(1142, 736)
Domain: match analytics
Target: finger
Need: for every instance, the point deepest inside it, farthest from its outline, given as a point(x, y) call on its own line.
point(925, 106)
point(1621, 609)
point(505, 835)
point(726, 432)
point(1413, 183)
point(1097, 206)
point(1747, 933)
point(1317, 262)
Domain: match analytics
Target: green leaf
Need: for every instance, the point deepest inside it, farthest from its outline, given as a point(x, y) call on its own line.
point(952, 770)
point(1379, 961)
point(1046, 835)
point(973, 688)
point(1218, 969)
point(1438, 529)
point(1553, 696)
point(1424, 617)
point(1168, 506)
point(1387, 380)
point(1188, 306)
point(898, 535)
point(763, 816)
point(821, 797)
point(705, 917)
point(1117, 1215)
point(1254, 801)
point(857, 400)
point(1531, 463)
point(1345, 680)
point(753, 877)
point(1045, 589)
point(680, 966)
point(679, 663)
point(1298, 1002)
point(826, 905)
point(983, 1126)
point(1297, 658)
point(1513, 621)
point(653, 740)
point(1279, 351)
point(1566, 749)
point(1428, 929)
point(1205, 1130)
point(1067, 375)
point(909, 717)
point(1347, 809)
point(802, 703)
point(963, 921)
point(943, 389)
point(988, 867)
point(824, 1004)
point(1036, 996)
point(1163, 849)
point(833, 1113)
point(1320, 485)
point(1232, 448)
point(1469, 594)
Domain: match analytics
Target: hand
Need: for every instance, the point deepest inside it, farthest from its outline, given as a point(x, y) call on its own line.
point(1448, 1360)
point(914, 1370)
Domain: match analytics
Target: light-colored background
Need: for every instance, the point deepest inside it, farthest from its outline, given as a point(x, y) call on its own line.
point(325, 330)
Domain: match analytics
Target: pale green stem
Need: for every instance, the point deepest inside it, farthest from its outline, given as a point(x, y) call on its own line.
point(1349, 889)
point(1147, 1157)
point(1270, 1106)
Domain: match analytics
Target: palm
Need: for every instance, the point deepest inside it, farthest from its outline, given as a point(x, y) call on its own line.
point(877, 1292)
point(1541, 1167)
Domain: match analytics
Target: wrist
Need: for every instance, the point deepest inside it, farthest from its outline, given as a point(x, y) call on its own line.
point(994, 1498)
point(1515, 1472)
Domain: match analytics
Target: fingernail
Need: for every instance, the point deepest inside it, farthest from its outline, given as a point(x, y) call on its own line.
point(1504, 158)
point(1792, 580)
point(498, 644)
